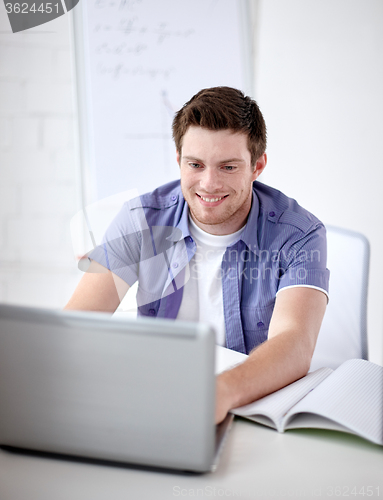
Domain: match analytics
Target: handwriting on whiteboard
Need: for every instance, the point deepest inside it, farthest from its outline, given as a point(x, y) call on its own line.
point(119, 70)
point(127, 44)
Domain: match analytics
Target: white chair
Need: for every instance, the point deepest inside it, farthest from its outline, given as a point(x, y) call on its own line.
point(343, 334)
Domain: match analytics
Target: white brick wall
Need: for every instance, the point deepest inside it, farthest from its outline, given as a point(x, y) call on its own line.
point(25, 130)
point(11, 97)
point(5, 137)
point(49, 99)
point(38, 161)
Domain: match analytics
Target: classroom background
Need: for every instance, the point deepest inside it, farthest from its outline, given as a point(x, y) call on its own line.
point(318, 75)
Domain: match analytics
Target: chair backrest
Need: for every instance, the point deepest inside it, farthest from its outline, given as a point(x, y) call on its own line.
point(343, 334)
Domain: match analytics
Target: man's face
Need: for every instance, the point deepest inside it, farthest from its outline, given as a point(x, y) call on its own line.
point(216, 178)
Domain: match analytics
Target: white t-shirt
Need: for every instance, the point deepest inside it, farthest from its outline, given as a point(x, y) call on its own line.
point(202, 296)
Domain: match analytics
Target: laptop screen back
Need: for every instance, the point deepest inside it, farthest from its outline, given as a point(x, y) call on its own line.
point(85, 384)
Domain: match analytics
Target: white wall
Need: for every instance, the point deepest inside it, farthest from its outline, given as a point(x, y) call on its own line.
point(38, 190)
point(319, 77)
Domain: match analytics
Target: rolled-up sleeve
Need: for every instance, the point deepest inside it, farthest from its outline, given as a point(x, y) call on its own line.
point(120, 249)
point(304, 262)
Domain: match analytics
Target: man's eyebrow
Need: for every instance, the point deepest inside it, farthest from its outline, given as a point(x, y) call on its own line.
point(230, 160)
point(192, 158)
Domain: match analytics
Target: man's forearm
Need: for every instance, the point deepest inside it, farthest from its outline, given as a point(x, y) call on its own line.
point(273, 365)
point(282, 359)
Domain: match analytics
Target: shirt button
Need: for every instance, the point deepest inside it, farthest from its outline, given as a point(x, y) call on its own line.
point(174, 197)
point(152, 312)
point(175, 265)
point(259, 324)
point(272, 214)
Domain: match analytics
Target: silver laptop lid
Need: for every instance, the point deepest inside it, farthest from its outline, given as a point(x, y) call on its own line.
point(139, 391)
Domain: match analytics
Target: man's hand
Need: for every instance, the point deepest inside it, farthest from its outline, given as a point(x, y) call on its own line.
point(282, 359)
point(222, 401)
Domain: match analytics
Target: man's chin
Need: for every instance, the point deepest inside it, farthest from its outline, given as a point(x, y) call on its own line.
point(207, 220)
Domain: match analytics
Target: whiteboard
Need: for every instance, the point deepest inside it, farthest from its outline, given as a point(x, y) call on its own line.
point(139, 61)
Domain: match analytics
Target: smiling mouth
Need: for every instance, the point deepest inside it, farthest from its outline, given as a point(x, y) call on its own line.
point(212, 200)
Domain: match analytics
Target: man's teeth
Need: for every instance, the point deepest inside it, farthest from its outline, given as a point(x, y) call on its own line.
point(211, 200)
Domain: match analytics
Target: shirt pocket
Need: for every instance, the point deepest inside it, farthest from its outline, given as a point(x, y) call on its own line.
point(255, 324)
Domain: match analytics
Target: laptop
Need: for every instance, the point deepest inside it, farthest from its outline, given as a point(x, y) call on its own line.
point(138, 391)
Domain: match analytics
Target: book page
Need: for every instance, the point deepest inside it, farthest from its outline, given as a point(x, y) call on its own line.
point(311, 421)
point(352, 396)
point(226, 359)
point(276, 405)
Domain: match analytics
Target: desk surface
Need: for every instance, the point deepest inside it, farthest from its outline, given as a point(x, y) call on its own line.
point(256, 462)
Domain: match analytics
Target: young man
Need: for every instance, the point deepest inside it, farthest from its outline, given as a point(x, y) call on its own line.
point(221, 247)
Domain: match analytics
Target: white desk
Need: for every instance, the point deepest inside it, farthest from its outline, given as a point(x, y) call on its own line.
point(257, 462)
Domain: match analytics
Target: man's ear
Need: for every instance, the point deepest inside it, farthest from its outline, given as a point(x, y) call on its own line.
point(260, 165)
point(178, 157)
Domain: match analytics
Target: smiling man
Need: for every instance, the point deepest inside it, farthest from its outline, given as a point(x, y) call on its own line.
point(223, 248)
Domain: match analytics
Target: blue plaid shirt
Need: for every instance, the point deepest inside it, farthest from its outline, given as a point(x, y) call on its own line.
point(282, 245)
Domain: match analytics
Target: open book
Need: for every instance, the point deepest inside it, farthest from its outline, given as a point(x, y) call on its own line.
point(348, 399)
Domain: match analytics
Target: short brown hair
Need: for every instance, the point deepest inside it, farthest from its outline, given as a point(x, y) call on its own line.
point(220, 108)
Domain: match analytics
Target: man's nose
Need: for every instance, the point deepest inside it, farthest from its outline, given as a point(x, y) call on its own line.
point(211, 181)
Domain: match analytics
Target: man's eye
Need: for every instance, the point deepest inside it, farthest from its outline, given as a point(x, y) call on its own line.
point(194, 165)
point(229, 168)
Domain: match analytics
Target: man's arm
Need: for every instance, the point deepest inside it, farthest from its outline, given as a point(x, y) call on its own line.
point(98, 290)
point(283, 358)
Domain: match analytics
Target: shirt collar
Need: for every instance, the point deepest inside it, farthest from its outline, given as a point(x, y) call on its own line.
point(250, 234)
point(181, 229)
point(183, 223)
